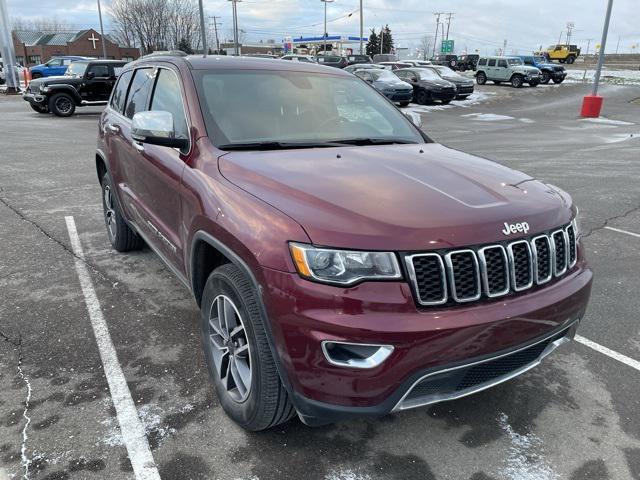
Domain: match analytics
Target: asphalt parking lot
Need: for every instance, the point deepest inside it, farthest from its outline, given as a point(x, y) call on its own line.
point(577, 416)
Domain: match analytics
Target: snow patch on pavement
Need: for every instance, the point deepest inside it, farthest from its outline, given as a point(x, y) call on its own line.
point(474, 99)
point(522, 460)
point(527, 120)
point(345, 474)
point(622, 137)
point(607, 121)
point(487, 117)
point(619, 77)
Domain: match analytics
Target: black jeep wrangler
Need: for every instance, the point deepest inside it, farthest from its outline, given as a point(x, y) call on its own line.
point(84, 83)
point(450, 61)
point(468, 62)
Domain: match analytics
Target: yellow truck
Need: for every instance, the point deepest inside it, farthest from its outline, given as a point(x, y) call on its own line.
point(563, 53)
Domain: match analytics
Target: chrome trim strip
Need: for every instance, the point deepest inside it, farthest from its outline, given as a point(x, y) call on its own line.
point(371, 361)
point(436, 398)
point(412, 275)
point(512, 266)
point(569, 244)
point(484, 273)
point(452, 279)
point(556, 271)
point(534, 253)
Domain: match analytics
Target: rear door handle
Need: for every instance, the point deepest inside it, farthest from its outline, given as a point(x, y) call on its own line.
point(138, 146)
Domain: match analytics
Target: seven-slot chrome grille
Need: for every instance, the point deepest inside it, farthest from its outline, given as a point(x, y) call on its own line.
point(469, 274)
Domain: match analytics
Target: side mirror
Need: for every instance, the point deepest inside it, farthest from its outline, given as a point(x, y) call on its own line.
point(156, 128)
point(91, 75)
point(414, 117)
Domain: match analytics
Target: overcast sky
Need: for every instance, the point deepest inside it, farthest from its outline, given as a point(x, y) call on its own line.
point(476, 24)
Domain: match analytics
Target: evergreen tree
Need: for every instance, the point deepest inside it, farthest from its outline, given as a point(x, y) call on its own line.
point(373, 45)
point(184, 45)
point(387, 41)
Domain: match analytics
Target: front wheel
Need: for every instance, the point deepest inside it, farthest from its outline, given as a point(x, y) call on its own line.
point(534, 84)
point(446, 102)
point(39, 108)
point(237, 352)
point(546, 76)
point(481, 78)
point(517, 81)
point(62, 105)
point(571, 59)
point(422, 97)
point(404, 104)
point(462, 97)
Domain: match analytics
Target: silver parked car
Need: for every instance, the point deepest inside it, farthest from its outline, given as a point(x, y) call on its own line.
point(463, 84)
point(363, 66)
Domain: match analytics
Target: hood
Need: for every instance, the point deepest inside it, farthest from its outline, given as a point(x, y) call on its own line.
point(395, 197)
point(66, 79)
point(459, 81)
point(393, 84)
point(526, 68)
point(438, 83)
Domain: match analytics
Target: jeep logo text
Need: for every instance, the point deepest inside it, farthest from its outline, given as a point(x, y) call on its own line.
point(510, 228)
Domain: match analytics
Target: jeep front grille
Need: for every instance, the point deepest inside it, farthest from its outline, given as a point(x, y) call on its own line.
point(489, 271)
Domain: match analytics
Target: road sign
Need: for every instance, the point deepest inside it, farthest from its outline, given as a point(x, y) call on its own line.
point(447, 46)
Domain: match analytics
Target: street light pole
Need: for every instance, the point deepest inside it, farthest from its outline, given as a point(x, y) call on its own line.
point(603, 44)
point(361, 29)
point(324, 35)
point(104, 45)
point(236, 48)
point(203, 30)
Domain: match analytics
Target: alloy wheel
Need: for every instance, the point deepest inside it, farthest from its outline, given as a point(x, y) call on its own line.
point(63, 104)
point(109, 212)
point(231, 351)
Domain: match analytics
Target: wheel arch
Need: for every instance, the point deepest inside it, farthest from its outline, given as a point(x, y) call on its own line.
point(101, 164)
point(72, 92)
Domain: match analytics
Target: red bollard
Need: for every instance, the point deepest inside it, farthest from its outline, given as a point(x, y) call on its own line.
point(591, 106)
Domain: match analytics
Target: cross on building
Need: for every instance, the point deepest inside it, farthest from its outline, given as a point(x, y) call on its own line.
point(93, 39)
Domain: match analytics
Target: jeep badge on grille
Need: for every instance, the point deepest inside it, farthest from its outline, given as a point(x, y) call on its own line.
point(509, 228)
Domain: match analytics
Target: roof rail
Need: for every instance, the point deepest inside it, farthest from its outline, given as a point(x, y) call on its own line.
point(166, 53)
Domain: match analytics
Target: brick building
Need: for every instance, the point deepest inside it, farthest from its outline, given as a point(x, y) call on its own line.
point(33, 48)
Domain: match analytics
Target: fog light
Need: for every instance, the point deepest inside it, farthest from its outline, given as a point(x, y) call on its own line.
point(355, 355)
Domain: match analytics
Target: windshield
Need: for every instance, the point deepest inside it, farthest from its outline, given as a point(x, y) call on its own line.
point(447, 72)
point(383, 75)
point(540, 60)
point(263, 106)
point(427, 74)
point(514, 61)
point(76, 69)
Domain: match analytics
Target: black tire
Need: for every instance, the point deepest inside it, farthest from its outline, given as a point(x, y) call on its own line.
point(39, 108)
point(445, 102)
point(534, 84)
point(462, 97)
point(422, 97)
point(62, 105)
point(546, 77)
point(121, 236)
point(404, 104)
point(558, 80)
point(561, 60)
point(452, 64)
point(266, 403)
point(517, 81)
point(481, 78)
point(496, 82)
point(36, 75)
point(571, 59)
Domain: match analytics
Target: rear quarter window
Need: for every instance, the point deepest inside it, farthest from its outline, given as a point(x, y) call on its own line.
point(120, 91)
point(492, 62)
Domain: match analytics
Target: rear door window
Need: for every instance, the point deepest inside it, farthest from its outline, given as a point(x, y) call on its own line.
point(99, 71)
point(139, 92)
point(492, 62)
point(502, 63)
point(120, 92)
point(482, 61)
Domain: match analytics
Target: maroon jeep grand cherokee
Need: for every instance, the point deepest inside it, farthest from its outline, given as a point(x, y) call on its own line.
point(344, 264)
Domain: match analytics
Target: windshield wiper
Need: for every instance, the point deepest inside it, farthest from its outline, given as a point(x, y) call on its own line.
point(376, 141)
point(280, 145)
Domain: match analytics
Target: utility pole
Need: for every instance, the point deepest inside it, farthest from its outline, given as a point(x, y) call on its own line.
point(435, 40)
point(449, 16)
point(361, 29)
point(203, 30)
point(236, 46)
point(588, 45)
point(104, 44)
point(7, 52)
point(504, 47)
point(215, 29)
point(570, 27)
point(381, 39)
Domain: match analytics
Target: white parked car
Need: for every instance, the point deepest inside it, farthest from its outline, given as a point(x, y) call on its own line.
point(299, 58)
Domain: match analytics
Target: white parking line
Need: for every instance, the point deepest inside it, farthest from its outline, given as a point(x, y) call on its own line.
point(622, 231)
point(608, 352)
point(131, 428)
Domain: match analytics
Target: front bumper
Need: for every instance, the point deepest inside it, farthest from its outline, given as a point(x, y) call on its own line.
point(428, 342)
point(34, 98)
point(445, 95)
point(405, 96)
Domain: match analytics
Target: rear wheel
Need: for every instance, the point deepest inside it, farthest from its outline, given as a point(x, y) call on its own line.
point(121, 236)
point(571, 59)
point(422, 97)
point(561, 60)
point(237, 352)
point(404, 104)
point(558, 80)
point(62, 105)
point(517, 81)
point(446, 102)
point(39, 108)
point(546, 76)
point(481, 78)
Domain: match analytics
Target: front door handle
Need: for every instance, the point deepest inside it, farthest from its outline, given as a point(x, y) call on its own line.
point(138, 146)
point(112, 128)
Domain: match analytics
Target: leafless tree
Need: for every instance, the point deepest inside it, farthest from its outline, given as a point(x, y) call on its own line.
point(155, 24)
point(40, 24)
point(425, 46)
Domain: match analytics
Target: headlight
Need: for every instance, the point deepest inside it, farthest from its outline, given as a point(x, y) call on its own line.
point(44, 88)
point(343, 267)
point(576, 224)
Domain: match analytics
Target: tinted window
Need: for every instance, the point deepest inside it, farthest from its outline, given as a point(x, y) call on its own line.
point(120, 92)
point(100, 71)
point(528, 61)
point(167, 97)
point(492, 62)
point(139, 92)
point(482, 61)
point(502, 63)
point(56, 62)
